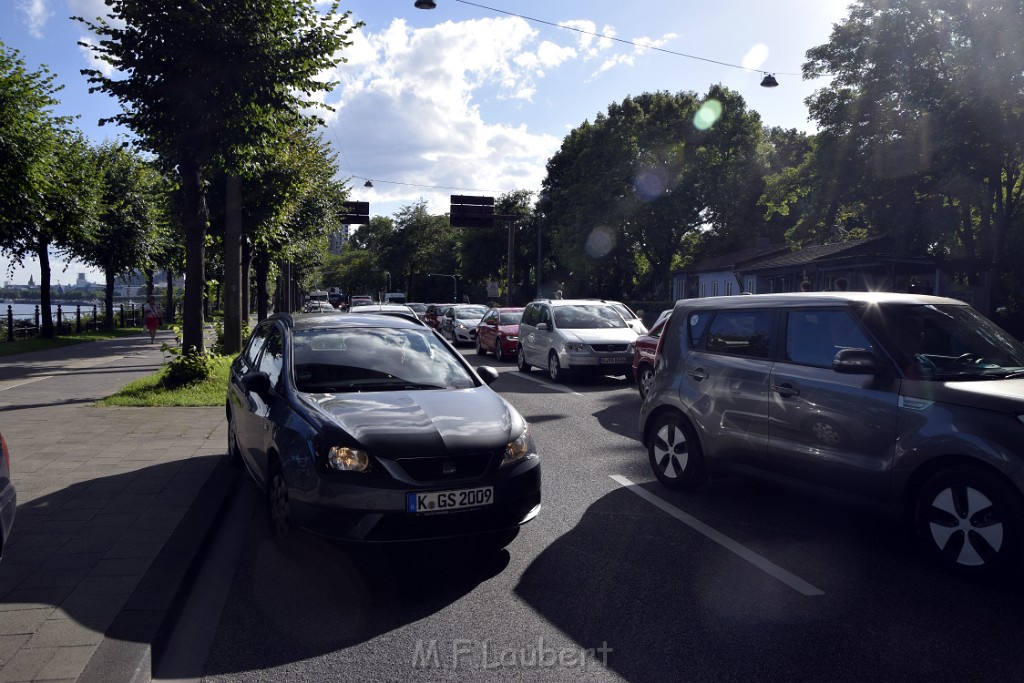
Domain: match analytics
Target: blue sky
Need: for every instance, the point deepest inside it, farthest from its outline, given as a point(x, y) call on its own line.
point(468, 98)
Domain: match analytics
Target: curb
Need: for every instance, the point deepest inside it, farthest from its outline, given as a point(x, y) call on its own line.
point(137, 639)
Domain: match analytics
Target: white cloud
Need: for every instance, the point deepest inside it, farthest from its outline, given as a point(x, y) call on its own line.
point(37, 13)
point(641, 45)
point(410, 109)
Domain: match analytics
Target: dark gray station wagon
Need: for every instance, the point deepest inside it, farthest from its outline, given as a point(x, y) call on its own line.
point(915, 403)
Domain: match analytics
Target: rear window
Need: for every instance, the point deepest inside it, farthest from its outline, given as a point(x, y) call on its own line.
point(741, 333)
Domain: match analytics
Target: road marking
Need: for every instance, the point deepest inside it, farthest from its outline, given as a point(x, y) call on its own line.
point(543, 382)
point(764, 564)
point(11, 384)
point(73, 365)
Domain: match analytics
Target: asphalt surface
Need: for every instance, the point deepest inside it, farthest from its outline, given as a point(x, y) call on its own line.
point(115, 507)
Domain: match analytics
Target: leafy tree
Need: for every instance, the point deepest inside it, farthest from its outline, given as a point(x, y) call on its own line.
point(201, 78)
point(47, 196)
point(922, 128)
point(127, 217)
point(623, 191)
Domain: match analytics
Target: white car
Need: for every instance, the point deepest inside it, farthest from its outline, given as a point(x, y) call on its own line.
point(459, 323)
point(570, 336)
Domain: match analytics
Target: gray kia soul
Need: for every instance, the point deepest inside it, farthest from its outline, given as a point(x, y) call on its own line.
point(913, 402)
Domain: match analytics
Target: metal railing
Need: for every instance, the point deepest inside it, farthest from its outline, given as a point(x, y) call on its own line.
point(67, 321)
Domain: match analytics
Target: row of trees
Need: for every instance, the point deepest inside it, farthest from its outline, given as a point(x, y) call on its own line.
point(921, 138)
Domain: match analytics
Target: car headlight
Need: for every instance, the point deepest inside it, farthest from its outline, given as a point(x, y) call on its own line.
point(345, 459)
point(520, 449)
point(575, 347)
point(511, 337)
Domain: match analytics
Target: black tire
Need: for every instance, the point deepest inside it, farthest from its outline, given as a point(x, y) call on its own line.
point(234, 453)
point(521, 361)
point(644, 379)
point(970, 521)
point(455, 340)
point(480, 350)
point(498, 353)
point(675, 454)
point(279, 513)
point(555, 370)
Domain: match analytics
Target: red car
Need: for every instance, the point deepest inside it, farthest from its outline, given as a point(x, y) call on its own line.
point(434, 314)
point(645, 354)
point(498, 332)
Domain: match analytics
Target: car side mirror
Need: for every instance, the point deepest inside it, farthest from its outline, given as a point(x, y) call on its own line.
point(487, 373)
point(542, 327)
point(256, 382)
point(855, 362)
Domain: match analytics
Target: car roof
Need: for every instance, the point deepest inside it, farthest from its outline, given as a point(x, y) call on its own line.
point(321, 321)
point(813, 298)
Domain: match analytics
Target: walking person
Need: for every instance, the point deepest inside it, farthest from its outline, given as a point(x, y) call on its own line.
point(151, 315)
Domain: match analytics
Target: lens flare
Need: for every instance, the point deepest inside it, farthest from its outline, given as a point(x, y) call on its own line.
point(649, 184)
point(707, 115)
point(600, 242)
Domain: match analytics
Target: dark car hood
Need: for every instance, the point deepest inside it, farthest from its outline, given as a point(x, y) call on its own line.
point(422, 421)
point(1005, 395)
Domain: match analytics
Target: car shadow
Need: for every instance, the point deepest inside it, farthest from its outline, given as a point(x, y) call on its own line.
point(312, 596)
point(667, 603)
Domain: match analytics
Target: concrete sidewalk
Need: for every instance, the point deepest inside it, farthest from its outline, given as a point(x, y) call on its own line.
point(114, 507)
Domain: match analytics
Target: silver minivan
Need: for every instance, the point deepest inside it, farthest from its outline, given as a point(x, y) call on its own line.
point(570, 336)
point(913, 403)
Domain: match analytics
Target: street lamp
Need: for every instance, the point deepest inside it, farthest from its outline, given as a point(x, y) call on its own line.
point(455, 284)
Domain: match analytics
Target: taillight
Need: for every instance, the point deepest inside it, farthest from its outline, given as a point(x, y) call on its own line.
point(7, 456)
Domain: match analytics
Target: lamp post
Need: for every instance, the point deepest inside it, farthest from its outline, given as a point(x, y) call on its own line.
point(455, 285)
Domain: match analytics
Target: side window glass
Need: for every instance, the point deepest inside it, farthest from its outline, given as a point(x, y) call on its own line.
point(741, 333)
point(272, 360)
point(546, 317)
point(697, 323)
point(814, 337)
point(259, 338)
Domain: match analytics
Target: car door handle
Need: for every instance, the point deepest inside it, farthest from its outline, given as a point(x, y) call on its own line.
point(698, 374)
point(785, 390)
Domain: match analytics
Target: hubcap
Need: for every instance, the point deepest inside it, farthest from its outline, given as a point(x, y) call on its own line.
point(553, 367)
point(965, 526)
point(670, 451)
point(646, 380)
point(825, 433)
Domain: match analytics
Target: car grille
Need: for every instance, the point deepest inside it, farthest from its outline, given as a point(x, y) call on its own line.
point(610, 348)
point(447, 468)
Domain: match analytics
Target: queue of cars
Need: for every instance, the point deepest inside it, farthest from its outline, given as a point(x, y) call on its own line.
point(912, 404)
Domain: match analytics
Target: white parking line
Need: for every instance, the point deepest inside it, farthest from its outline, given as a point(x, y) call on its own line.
point(12, 383)
point(544, 383)
point(765, 565)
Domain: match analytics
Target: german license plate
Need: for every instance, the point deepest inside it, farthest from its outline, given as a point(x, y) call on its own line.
point(442, 501)
point(615, 360)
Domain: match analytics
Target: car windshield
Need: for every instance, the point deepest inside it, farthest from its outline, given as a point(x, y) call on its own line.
point(587, 317)
point(943, 342)
point(375, 359)
point(470, 313)
point(624, 311)
point(510, 317)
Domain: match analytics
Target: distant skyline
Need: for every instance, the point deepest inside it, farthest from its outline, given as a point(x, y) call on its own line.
point(469, 99)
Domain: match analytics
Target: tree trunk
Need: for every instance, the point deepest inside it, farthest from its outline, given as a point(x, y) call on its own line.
point(246, 281)
point(149, 282)
point(196, 217)
point(109, 282)
point(232, 343)
point(169, 308)
point(261, 269)
point(46, 321)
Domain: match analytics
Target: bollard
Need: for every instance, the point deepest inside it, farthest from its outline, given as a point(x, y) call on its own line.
point(60, 320)
point(121, 306)
point(78, 318)
point(37, 319)
point(133, 314)
point(10, 323)
point(95, 319)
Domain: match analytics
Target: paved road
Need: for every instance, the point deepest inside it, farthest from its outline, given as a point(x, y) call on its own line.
point(113, 505)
